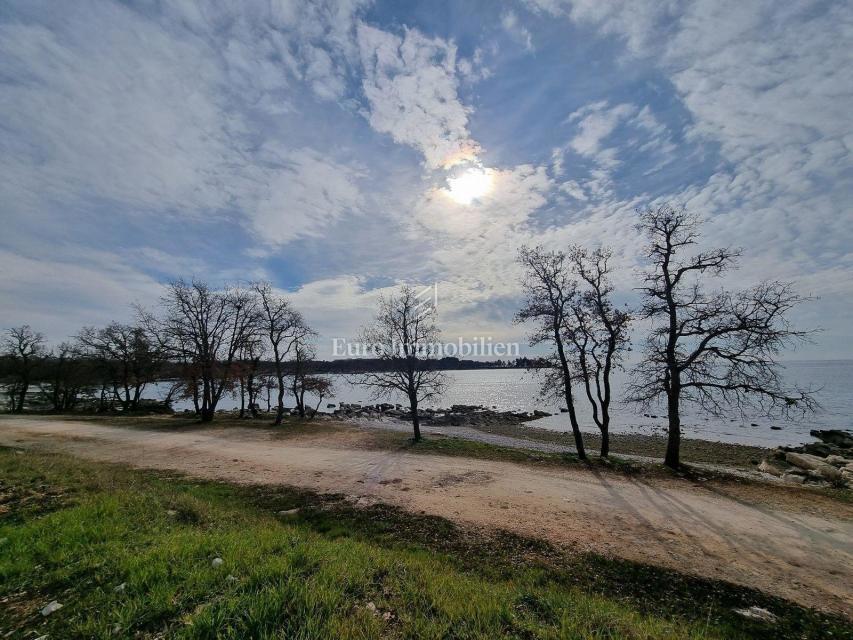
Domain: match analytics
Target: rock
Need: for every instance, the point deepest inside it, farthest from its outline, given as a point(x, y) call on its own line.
point(768, 467)
point(120, 588)
point(753, 424)
point(371, 607)
point(838, 461)
point(217, 562)
point(757, 613)
point(803, 460)
point(817, 449)
point(231, 578)
point(289, 512)
point(171, 512)
point(50, 607)
point(843, 439)
point(541, 414)
point(774, 428)
point(813, 463)
point(793, 478)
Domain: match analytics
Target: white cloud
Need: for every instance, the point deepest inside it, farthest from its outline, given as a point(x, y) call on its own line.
point(411, 86)
point(305, 193)
point(88, 118)
point(82, 287)
point(511, 24)
point(638, 22)
point(595, 123)
point(516, 193)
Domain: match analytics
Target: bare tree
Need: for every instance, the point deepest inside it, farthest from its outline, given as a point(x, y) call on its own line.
point(719, 348)
point(550, 293)
point(247, 371)
point(402, 336)
point(66, 373)
point(599, 332)
point(23, 347)
point(300, 365)
point(126, 357)
point(282, 326)
point(205, 328)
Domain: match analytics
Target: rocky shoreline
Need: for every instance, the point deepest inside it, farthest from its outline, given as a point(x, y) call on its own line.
point(458, 415)
point(825, 463)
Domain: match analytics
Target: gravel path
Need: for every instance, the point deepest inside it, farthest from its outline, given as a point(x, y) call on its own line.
point(786, 542)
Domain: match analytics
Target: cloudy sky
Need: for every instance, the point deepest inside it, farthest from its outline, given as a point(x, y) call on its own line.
point(316, 145)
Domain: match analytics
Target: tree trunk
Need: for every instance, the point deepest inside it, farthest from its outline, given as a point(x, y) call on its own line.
point(301, 402)
point(605, 442)
point(242, 398)
point(22, 394)
point(673, 442)
point(207, 414)
point(605, 429)
point(567, 388)
point(573, 419)
point(416, 421)
point(279, 413)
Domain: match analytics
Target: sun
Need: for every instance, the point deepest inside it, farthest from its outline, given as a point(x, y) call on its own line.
point(470, 185)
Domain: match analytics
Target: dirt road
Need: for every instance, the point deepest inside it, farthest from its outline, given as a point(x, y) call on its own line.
point(797, 547)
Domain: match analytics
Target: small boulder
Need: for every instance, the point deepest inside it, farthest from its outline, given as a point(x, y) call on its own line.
point(50, 607)
point(289, 512)
point(793, 478)
point(757, 613)
point(217, 562)
point(768, 467)
point(838, 461)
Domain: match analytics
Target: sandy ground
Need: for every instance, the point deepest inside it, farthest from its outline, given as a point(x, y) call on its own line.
point(794, 545)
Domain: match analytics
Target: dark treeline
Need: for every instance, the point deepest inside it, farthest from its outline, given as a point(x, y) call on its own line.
point(712, 347)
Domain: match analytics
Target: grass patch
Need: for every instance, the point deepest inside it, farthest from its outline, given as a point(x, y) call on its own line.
point(653, 446)
point(129, 554)
point(460, 447)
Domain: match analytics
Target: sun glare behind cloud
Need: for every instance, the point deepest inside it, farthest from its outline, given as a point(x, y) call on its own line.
point(470, 185)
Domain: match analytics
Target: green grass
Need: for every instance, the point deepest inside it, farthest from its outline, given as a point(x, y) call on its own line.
point(460, 447)
point(75, 532)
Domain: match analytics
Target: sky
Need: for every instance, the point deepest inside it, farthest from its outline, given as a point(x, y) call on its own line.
point(317, 144)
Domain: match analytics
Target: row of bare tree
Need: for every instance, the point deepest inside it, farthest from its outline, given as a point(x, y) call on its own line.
point(209, 341)
point(713, 347)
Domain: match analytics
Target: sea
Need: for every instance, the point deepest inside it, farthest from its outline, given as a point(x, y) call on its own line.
point(519, 390)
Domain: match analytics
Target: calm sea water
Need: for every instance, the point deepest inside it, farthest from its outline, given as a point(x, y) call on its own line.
point(518, 390)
